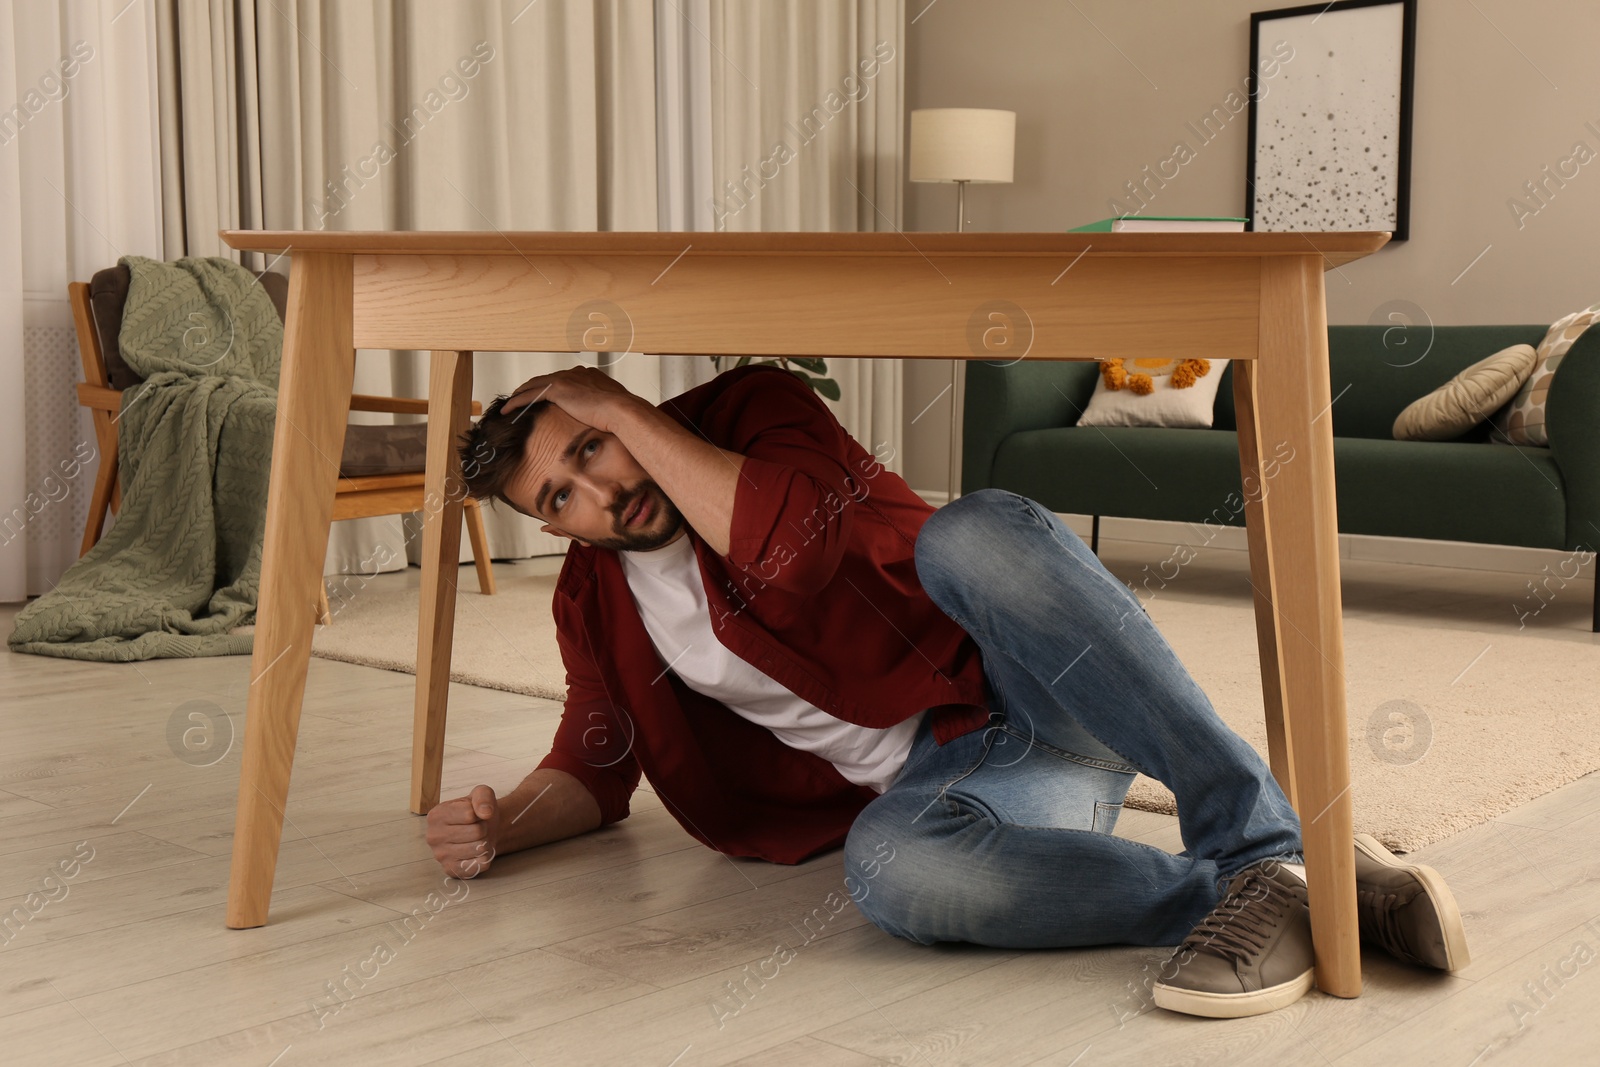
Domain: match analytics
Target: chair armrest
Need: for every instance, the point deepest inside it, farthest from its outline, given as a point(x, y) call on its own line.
point(99, 397)
point(1572, 421)
point(1001, 400)
point(397, 405)
point(103, 398)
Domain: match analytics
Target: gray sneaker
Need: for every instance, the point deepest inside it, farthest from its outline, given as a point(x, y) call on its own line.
point(1407, 910)
point(1251, 955)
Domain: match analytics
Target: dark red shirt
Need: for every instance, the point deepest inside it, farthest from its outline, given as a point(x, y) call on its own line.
point(819, 591)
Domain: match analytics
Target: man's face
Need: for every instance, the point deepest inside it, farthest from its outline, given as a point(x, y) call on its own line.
point(587, 495)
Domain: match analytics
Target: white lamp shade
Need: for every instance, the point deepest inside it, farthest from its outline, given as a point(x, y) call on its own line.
point(962, 144)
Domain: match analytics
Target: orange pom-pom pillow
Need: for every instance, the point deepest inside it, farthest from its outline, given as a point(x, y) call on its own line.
point(1154, 392)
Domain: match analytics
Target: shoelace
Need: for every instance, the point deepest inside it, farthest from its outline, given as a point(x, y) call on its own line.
point(1237, 928)
point(1382, 922)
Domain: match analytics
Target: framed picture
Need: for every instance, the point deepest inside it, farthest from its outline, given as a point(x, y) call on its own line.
point(1330, 128)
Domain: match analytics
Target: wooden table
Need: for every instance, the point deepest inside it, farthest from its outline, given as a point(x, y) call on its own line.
point(1252, 297)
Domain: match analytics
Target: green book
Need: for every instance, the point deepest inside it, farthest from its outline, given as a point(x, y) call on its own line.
point(1164, 224)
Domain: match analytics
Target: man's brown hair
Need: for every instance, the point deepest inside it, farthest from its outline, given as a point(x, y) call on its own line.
point(493, 447)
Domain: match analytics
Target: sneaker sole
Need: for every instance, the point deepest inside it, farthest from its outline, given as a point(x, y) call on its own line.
point(1444, 902)
point(1233, 1005)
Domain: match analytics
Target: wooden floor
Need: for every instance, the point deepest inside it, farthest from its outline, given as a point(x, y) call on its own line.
point(622, 946)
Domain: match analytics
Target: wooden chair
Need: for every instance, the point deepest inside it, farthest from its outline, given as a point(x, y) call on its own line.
point(380, 473)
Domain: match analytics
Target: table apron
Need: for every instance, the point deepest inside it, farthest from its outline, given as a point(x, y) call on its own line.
point(991, 308)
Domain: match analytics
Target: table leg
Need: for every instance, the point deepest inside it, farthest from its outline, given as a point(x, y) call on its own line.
point(1296, 522)
point(449, 409)
point(1255, 477)
point(314, 384)
point(473, 512)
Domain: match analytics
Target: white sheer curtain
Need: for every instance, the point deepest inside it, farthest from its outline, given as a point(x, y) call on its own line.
point(78, 190)
point(198, 115)
point(683, 154)
point(410, 116)
point(807, 119)
point(824, 78)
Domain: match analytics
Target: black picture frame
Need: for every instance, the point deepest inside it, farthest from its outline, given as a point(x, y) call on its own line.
point(1401, 229)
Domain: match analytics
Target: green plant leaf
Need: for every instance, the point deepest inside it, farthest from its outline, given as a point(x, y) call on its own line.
point(810, 363)
point(743, 360)
point(826, 386)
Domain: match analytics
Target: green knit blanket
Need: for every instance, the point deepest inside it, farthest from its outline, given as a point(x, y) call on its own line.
point(181, 564)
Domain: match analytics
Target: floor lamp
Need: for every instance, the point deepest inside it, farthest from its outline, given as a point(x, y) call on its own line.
point(961, 145)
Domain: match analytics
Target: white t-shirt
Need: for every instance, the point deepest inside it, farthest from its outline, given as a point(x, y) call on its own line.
point(671, 598)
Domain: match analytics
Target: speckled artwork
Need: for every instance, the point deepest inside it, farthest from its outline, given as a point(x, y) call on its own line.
point(1328, 130)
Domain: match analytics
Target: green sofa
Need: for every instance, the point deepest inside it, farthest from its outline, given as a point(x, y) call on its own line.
point(1020, 435)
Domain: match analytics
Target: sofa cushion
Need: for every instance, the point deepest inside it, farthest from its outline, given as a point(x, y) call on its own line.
point(1438, 489)
point(1163, 403)
point(1375, 371)
point(1143, 472)
point(1373, 375)
point(1522, 422)
point(1432, 489)
point(1467, 399)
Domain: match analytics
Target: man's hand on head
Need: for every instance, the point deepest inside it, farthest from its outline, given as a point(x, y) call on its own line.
point(585, 393)
point(463, 832)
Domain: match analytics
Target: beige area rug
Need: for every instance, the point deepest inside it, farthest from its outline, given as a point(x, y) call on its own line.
point(1448, 727)
point(506, 641)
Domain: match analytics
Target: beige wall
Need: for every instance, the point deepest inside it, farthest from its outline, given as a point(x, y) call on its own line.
point(1094, 106)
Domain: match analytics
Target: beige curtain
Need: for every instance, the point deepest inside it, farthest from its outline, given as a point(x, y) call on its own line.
point(547, 115)
point(311, 114)
point(683, 148)
point(807, 119)
point(206, 74)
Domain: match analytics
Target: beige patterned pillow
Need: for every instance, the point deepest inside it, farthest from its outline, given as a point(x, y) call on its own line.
point(1522, 421)
point(1467, 399)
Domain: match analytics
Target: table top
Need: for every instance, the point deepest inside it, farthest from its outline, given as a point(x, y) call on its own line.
point(1336, 249)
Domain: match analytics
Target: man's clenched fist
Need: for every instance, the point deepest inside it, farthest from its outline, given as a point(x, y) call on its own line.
point(462, 832)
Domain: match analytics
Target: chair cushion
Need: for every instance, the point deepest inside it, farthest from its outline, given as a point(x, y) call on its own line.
point(108, 294)
point(384, 450)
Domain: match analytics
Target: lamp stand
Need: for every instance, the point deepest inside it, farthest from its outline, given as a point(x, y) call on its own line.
point(958, 390)
point(958, 378)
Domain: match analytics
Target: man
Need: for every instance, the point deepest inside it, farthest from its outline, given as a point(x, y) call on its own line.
point(799, 653)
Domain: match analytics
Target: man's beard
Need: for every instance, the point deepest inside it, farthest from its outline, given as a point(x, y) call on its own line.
point(662, 525)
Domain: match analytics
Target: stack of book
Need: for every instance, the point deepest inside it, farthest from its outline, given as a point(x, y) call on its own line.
point(1163, 224)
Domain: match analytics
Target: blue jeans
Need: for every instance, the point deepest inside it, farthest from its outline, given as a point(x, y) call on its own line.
point(1003, 836)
